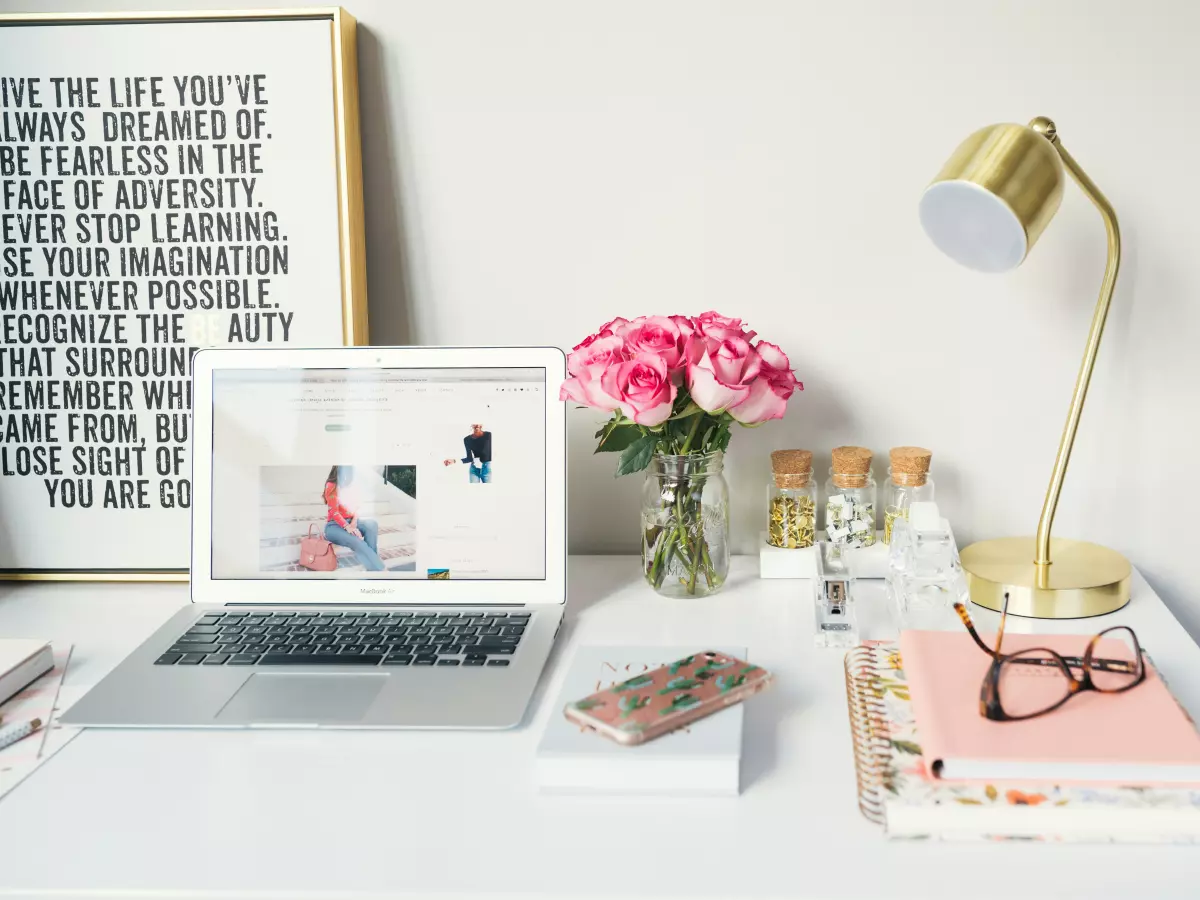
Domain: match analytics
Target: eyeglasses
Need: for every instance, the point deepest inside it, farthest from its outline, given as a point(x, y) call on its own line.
point(1033, 682)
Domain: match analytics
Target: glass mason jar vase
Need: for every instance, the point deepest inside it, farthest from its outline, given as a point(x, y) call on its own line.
point(685, 524)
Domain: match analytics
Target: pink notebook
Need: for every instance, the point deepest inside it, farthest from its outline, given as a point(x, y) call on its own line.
point(1140, 737)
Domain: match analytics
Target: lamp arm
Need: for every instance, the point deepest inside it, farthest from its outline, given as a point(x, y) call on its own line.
point(1046, 521)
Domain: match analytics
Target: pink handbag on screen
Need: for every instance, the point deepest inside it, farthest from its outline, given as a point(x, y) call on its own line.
point(316, 553)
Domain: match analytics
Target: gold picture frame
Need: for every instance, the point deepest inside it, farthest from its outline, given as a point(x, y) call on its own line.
point(350, 227)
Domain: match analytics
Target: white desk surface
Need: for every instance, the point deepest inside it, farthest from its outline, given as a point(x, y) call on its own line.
point(306, 814)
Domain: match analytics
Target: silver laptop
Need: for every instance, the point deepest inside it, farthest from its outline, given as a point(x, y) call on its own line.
point(378, 541)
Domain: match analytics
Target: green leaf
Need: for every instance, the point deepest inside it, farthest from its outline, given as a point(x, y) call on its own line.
point(688, 411)
point(907, 747)
point(636, 456)
point(618, 439)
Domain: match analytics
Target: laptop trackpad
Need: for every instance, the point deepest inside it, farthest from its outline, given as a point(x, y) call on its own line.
point(280, 697)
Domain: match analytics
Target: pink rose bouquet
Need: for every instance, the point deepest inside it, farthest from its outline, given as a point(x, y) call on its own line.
point(675, 386)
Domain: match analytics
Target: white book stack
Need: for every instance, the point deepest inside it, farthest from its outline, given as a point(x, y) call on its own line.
point(703, 759)
point(21, 663)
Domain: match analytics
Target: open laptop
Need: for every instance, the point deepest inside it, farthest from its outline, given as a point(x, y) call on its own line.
point(378, 541)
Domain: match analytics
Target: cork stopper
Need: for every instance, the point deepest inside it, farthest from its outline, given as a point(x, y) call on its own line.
point(792, 468)
point(910, 465)
point(851, 466)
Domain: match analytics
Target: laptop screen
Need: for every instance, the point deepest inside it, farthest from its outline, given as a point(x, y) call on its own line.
point(379, 473)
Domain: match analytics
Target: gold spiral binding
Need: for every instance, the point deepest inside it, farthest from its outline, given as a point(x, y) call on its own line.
point(869, 731)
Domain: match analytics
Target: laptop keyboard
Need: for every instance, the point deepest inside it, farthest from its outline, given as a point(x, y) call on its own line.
point(314, 638)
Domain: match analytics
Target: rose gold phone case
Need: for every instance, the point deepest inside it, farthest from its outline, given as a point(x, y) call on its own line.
point(650, 705)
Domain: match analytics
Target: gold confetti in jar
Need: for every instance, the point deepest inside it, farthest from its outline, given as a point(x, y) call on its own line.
point(792, 500)
point(850, 499)
point(908, 483)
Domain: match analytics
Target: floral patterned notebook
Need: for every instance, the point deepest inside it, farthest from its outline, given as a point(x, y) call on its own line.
point(895, 791)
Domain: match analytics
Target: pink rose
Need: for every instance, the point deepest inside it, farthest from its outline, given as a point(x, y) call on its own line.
point(587, 388)
point(770, 391)
point(643, 388)
point(714, 325)
point(586, 364)
point(613, 326)
point(658, 335)
point(596, 350)
point(719, 373)
point(685, 325)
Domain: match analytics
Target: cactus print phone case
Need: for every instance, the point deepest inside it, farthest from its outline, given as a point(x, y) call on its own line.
point(647, 706)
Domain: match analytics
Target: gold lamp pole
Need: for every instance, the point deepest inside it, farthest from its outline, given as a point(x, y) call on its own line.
point(986, 209)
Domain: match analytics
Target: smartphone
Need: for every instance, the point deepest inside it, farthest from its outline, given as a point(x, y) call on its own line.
point(654, 703)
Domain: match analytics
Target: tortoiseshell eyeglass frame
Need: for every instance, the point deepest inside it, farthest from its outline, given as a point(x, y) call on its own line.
point(990, 705)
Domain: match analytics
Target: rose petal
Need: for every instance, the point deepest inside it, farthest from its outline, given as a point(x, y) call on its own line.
point(709, 393)
point(762, 403)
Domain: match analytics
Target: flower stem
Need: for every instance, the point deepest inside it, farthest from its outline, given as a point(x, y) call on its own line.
point(687, 444)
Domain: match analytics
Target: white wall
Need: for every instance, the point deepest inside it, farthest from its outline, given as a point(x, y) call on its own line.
point(534, 167)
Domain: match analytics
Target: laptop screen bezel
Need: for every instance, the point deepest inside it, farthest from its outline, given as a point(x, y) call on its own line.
point(339, 592)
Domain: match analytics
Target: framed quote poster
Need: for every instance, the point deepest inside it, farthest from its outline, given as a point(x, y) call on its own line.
point(168, 182)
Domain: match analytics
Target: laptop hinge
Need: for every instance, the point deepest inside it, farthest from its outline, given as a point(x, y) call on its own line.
point(374, 605)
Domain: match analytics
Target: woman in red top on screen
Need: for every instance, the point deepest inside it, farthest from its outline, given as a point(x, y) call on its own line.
point(344, 528)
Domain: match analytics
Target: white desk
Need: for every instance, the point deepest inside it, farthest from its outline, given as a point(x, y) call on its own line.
point(238, 814)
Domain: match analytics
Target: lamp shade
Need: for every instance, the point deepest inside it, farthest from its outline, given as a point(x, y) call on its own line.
point(994, 197)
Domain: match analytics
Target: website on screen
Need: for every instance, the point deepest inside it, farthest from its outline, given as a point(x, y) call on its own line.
point(379, 473)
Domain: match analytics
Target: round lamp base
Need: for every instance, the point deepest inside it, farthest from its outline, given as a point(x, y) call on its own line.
point(1083, 580)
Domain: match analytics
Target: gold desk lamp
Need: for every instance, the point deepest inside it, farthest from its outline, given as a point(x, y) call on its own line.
point(986, 209)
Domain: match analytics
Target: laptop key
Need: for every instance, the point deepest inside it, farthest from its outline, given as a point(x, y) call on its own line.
point(194, 648)
point(398, 661)
point(477, 661)
point(518, 615)
point(498, 662)
point(191, 659)
point(216, 659)
point(243, 659)
point(191, 638)
point(168, 659)
point(379, 648)
point(290, 659)
point(513, 629)
point(448, 662)
point(498, 651)
point(207, 621)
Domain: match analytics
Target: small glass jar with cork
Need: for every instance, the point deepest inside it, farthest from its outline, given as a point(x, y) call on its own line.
point(908, 483)
point(850, 499)
point(792, 500)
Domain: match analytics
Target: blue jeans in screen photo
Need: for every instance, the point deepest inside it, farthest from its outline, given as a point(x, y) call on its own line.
point(482, 474)
point(366, 548)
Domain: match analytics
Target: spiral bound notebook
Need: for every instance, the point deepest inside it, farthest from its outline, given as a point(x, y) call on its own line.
point(895, 791)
